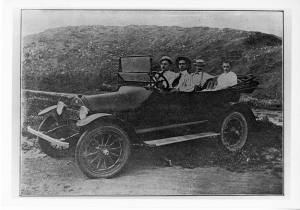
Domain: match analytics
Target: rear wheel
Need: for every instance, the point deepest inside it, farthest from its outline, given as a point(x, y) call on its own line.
point(234, 131)
point(103, 151)
point(48, 124)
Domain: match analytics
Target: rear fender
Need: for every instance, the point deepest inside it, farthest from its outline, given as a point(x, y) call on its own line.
point(220, 114)
point(246, 111)
point(47, 110)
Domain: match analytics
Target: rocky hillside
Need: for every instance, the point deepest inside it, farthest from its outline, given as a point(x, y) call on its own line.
point(78, 59)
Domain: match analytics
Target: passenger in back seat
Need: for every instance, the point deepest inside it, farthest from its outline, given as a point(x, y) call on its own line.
point(228, 78)
point(199, 76)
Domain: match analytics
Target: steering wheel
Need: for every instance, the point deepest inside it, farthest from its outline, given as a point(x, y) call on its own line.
point(160, 82)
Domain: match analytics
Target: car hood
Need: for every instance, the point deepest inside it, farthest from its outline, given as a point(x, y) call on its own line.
point(127, 98)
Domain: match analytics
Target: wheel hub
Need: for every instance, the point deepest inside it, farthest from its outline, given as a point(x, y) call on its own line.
point(104, 150)
point(233, 130)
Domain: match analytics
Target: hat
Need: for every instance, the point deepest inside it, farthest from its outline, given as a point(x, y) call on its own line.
point(165, 58)
point(188, 61)
point(199, 61)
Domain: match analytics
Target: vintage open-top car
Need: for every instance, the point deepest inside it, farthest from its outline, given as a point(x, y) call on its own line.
point(102, 128)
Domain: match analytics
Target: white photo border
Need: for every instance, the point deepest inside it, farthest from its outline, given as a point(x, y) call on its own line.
point(11, 109)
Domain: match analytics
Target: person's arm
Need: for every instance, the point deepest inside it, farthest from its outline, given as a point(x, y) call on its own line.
point(187, 89)
point(233, 79)
point(195, 79)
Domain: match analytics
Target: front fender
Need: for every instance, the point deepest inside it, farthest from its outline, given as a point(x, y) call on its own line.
point(47, 110)
point(90, 118)
point(104, 118)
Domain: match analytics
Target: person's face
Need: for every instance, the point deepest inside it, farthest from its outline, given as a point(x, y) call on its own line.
point(182, 65)
point(226, 67)
point(165, 65)
point(199, 67)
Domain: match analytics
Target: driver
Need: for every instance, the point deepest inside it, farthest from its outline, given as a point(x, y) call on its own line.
point(165, 65)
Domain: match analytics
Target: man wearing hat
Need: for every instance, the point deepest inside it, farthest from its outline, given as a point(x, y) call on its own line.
point(165, 66)
point(184, 80)
point(199, 76)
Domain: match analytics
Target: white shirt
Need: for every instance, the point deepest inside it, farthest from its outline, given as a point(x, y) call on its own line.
point(186, 82)
point(170, 76)
point(200, 78)
point(226, 80)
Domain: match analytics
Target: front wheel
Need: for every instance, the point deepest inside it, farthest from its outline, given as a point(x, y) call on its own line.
point(103, 151)
point(234, 131)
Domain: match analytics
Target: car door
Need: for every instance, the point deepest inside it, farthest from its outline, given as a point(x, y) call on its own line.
point(165, 108)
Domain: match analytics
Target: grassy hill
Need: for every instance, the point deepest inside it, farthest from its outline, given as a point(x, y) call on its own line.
point(83, 58)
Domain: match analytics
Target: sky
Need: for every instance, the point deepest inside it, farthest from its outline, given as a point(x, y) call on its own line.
point(36, 21)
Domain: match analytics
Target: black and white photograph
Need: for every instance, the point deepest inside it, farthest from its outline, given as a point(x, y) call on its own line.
point(152, 102)
point(189, 103)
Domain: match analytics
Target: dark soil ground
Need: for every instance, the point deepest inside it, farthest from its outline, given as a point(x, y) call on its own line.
point(191, 168)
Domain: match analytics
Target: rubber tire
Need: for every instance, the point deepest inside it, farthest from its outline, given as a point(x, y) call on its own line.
point(84, 139)
point(243, 139)
point(46, 146)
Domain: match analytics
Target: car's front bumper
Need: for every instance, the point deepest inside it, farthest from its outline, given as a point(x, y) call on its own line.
point(58, 142)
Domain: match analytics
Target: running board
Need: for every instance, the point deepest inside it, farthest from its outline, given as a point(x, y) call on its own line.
point(176, 139)
point(146, 130)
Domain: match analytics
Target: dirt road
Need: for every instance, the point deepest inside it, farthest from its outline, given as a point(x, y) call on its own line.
point(45, 176)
